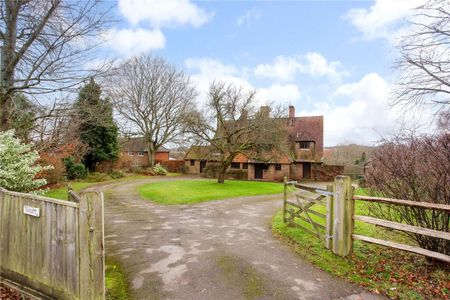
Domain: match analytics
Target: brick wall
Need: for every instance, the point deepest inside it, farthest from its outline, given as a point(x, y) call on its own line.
point(326, 172)
point(174, 166)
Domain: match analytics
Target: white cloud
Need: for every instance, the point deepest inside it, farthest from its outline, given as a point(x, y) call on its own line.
point(129, 42)
point(312, 64)
point(365, 115)
point(248, 17)
point(206, 70)
point(164, 13)
point(382, 18)
point(281, 93)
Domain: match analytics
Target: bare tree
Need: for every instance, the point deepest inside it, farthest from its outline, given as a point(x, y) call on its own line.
point(416, 168)
point(151, 98)
point(424, 66)
point(230, 125)
point(45, 46)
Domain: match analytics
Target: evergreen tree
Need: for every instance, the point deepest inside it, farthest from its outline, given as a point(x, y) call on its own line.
point(96, 125)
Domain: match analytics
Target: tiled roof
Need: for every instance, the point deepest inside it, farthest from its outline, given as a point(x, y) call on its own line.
point(137, 145)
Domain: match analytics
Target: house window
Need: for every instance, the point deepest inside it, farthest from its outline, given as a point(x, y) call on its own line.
point(192, 162)
point(130, 153)
point(277, 167)
point(304, 145)
point(245, 166)
point(235, 165)
point(140, 153)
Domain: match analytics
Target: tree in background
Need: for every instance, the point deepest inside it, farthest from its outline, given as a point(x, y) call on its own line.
point(18, 164)
point(151, 98)
point(424, 66)
point(230, 124)
point(415, 168)
point(45, 45)
point(96, 126)
point(23, 116)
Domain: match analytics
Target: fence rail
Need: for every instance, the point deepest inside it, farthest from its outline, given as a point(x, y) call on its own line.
point(54, 247)
point(340, 217)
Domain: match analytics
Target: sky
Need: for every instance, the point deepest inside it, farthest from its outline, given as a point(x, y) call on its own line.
point(330, 58)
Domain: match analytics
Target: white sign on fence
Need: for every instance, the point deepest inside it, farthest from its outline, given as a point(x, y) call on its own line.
point(32, 211)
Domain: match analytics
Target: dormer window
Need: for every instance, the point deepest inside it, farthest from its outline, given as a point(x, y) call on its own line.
point(304, 145)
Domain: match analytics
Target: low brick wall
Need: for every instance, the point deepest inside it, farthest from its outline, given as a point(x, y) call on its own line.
point(326, 172)
point(174, 166)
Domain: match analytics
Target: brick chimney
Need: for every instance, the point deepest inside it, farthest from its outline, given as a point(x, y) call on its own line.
point(264, 111)
point(291, 111)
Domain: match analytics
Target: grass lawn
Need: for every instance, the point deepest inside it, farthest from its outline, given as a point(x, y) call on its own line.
point(194, 191)
point(398, 274)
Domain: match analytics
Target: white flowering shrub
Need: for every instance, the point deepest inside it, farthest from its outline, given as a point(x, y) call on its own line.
point(18, 164)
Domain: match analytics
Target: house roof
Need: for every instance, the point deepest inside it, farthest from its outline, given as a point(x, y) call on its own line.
point(201, 152)
point(137, 145)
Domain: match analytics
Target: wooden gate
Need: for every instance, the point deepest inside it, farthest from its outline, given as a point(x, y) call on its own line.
point(309, 208)
point(53, 248)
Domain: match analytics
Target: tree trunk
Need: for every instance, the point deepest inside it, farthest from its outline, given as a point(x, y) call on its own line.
point(222, 172)
point(151, 153)
point(8, 56)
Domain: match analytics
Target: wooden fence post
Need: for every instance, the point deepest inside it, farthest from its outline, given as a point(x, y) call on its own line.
point(343, 216)
point(284, 199)
point(329, 220)
point(92, 258)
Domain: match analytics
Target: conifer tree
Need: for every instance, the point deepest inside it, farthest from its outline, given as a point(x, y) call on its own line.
point(97, 128)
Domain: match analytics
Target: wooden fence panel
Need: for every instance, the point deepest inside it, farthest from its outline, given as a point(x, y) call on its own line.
point(40, 247)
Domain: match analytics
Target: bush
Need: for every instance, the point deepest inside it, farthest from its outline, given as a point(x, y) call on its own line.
point(116, 174)
point(18, 164)
point(159, 170)
point(237, 174)
point(136, 169)
point(74, 170)
point(417, 169)
point(97, 177)
point(211, 171)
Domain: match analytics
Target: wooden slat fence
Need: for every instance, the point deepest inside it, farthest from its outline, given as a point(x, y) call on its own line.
point(340, 217)
point(53, 247)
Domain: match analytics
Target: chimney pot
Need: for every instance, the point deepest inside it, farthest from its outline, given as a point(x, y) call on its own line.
point(291, 111)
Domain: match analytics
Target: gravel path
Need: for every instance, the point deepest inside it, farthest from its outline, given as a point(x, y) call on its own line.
point(212, 250)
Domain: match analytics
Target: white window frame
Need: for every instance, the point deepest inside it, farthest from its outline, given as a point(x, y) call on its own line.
point(141, 153)
point(130, 153)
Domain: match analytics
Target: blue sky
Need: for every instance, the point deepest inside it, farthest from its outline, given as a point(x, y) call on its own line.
point(331, 58)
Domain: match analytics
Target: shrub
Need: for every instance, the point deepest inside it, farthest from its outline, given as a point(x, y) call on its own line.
point(417, 169)
point(74, 170)
point(136, 169)
point(159, 170)
point(211, 171)
point(97, 177)
point(237, 174)
point(116, 174)
point(18, 164)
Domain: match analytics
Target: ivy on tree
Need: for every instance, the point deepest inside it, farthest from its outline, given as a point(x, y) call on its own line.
point(97, 128)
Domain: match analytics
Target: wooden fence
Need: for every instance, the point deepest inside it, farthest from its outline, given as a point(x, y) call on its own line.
point(337, 233)
point(53, 248)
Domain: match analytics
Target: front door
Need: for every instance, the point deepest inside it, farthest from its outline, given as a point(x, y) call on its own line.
point(259, 169)
point(306, 170)
point(202, 165)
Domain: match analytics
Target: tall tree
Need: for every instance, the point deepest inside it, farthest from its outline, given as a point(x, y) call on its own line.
point(230, 124)
point(96, 125)
point(44, 46)
point(152, 98)
point(424, 76)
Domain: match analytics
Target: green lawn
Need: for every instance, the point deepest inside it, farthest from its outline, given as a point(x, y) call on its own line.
point(194, 191)
point(398, 274)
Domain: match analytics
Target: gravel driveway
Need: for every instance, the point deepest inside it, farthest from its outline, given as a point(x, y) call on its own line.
point(212, 250)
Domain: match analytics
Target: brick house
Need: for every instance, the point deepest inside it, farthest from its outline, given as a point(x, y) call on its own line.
point(303, 160)
point(133, 153)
